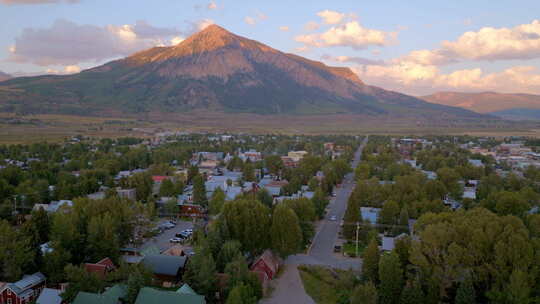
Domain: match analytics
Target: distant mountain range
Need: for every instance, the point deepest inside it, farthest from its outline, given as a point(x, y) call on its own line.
point(215, 70)
point(4, 76)
point(508, 106)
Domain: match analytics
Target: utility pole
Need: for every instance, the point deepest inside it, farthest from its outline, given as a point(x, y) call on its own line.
point(357, 232)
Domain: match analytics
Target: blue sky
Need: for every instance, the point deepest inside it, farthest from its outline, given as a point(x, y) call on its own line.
point(375, 39)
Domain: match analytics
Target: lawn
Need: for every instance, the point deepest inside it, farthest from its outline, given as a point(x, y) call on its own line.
point(349, 249)
point(326, 285)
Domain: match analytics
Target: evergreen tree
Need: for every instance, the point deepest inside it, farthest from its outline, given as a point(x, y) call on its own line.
point(102, 238)
point(248, 172)
point(285, 232)
point(370, 266)
point(229, 251)
point(199, 191)
point(404, 219)
point(201, 275)
point(391, 278)
point(320, 201)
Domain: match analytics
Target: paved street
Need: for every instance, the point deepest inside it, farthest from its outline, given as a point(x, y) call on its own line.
point(289, 287)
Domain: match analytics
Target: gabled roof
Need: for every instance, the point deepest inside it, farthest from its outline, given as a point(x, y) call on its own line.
point(269, 259)
point(164, 264)
point(149, 295)
point(185, 289)
point(110, 296)
point(27, 282)
point(49, 296)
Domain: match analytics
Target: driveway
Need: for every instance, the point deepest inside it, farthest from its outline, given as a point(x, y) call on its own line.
point(288, 288)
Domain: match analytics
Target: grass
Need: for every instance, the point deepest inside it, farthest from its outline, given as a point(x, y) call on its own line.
point(349, 249)
point(325, 285)
point(16, 129)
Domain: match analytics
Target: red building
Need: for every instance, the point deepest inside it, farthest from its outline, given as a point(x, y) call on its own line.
point(23, 291)
point(267, 264)
point(101, 268)
point(191, 210)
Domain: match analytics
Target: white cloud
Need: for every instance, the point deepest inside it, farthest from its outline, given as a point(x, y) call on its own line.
point(421, 79)
point(212, 5)
point(353, 59)
point(331, 17)
point(68, 43)
point(253, 20)
point(16, 2)
point(520, 42)
point(70, 69)
point(176, 40)
point(202, 24)
point(284, 28)
point(350, 34)
point(250, 20)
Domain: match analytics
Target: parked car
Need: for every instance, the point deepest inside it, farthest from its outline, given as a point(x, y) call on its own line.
point(167, 225)
point(333, 218)
point(176, 240)
point(337, 248)
point(334, 194)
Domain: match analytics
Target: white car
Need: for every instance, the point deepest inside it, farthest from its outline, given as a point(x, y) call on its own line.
point(333, 218)
point(176, 240)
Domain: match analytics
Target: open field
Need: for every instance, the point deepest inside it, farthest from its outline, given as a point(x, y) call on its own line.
point(325, 285)
point(31, 128)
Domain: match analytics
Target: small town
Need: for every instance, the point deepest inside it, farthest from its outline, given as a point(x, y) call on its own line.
point(191, 218)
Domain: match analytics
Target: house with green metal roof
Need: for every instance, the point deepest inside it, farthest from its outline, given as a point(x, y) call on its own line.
point(149, 295)
point(112, 295)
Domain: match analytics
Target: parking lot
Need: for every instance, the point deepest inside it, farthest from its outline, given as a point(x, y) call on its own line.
point(162, 240)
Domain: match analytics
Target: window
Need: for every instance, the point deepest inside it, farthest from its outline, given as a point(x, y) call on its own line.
point(9, 292)
point(9, 300)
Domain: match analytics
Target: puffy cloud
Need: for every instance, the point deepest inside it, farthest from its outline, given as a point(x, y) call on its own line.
point(420, 79)
point(176, 40)
point(202, 24)
point(284, 28)
point(255, 19)
point(350, 34)
point(331, 17)
point(520, 42)
point(68, 43)
point(250, 20)
point(212, 5)
point(70, 69)
point(16, 2)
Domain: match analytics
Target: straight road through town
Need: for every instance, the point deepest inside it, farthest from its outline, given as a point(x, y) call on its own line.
point(289, 287)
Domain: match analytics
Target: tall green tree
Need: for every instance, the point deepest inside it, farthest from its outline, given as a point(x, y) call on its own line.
point(241, 294)
point(370, 266)
point(391, 278)
point(199, 191)
point(285, 232)
point(216, 201)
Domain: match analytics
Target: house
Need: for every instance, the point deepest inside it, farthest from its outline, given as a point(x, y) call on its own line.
point(167, 269)
point(184, 295)
point(49, 296)
point(112, 295)
point(191, 210)
point(289, 162)
point(476, 162)
point(267, 264)
point(274, 187)
point(370, 214)
point(101, 268)
point(53, 206)
point(130, 194)
point(23, 291)
point(389, 243)
point(176, 250)
point(296, 156)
